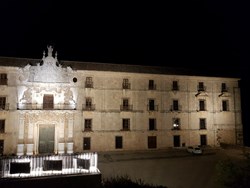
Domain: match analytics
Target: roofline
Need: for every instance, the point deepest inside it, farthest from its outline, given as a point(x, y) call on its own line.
point(99, 66)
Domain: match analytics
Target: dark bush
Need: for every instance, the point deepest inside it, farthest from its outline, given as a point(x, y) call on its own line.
point(125, 181)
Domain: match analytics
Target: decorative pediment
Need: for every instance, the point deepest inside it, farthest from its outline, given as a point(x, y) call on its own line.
point(201, 94)
point(47, 71)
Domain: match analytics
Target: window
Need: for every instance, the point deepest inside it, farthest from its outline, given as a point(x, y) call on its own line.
point(125, 84)
point(2, 103)
point(225, 105)
point(201, 86)
point(152, 124)
point(2, 126)
point(125, 124)
point(1, 147)
point(118, 142)
point(86, 143)
point(175, 106)
point(151, 105)
point(175, 86)
point(151, 85)
point(48, 102)
point(203, 140)
point(202, 123)
point(224, 87)
point(176, 123)
point(202, 105)
point(88, 82)
point(152, 142)
point(88, 104)
point(88, 125)
point(3, 79)
point(125, 105)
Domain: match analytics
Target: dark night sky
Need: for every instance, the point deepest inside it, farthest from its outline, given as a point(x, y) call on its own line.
point(197, 34)
point(208, 35)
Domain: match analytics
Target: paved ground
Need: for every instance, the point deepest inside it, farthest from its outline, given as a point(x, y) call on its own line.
point(174, 168)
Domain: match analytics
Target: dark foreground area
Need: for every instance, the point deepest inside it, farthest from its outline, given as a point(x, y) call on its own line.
point(86, 181)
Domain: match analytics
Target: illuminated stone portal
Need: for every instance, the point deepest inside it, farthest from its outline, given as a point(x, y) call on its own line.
point(66, 107)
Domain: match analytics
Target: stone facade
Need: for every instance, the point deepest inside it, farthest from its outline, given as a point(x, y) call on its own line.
point(50, 108)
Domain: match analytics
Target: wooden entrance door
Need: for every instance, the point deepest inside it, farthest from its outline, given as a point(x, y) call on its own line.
point(48, 102)
point(177, 142)
point(152, 142)
point(46, 139)
point(86, 143)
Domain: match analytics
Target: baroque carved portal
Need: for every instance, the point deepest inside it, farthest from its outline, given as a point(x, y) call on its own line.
point(47, 71)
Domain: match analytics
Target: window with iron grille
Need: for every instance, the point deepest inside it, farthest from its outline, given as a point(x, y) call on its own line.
point(223, 87)
point(2, 103)
point(2, 125)
point(152, 124)
point(126, 124)
point(175, 105)
point(201, 86)
point(3, 79)
point(202, 106)
point(125, 84)
point(1, 147)
point(151, 105)
point(225, 105)
point(202, 123)
point(151, 85)
point(88, 103)
point(118, 142)
point(88, 125)
point(125, 104)
point(175, 86)
point(89, 82)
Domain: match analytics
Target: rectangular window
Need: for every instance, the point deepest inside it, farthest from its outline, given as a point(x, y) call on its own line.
point(151, 105)
point(225, 105)
point(88, 125)
point(88, 102)
point(175, 86)
point(86, 143)
point(152, 124)
point(125, 105)
point(1, 147)
point(118, 142)
point(224, 87)
point(125, 84)
point(3, 79)
point(151, 85)
point(2, 126)
point(175, 105)
point(202, 123)
point(89, 82)
point(2, 103)
point(152, 142)
point(125, 124)
point(203, 140)
point(48, 102)
point(176, 123)
point(201, 86)
point(202, 105)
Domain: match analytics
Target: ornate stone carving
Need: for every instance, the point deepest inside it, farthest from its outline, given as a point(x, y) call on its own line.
point(68, 96)
point(27, 96)
point(48, 71)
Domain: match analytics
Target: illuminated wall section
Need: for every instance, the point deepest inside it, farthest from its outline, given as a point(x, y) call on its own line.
point(59, 109)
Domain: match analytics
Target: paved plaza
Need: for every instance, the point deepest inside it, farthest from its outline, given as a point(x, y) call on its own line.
point(174, 168)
